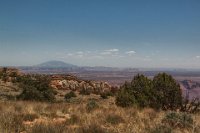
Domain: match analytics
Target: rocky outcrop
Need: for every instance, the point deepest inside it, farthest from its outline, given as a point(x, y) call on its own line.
point(9, 74)
point(10, 71)
point(73, 83)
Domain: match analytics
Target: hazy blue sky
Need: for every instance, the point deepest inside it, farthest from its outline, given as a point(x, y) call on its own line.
point(125, 33)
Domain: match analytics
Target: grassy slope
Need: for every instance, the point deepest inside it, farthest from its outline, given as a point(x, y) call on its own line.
point(34, 117)
point(77, 116)
point(8, 90)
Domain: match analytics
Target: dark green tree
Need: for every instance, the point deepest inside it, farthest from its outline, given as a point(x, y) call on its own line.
point(138, 92)
point(167, 92)
point(141, 87)
point(124, 98)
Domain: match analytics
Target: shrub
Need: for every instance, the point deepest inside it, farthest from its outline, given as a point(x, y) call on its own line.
point(30, 93)
point(124, 98)
point(114, 119)
point(181, 120)
point(164, 92)
point(91, 105)
point(167, 92)
point(141, 88)
point(70, 95)
point(139, 92)
point(36, 88)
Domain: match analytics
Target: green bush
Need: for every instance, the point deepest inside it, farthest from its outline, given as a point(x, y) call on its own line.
point(30, 93)
point(141, 88)
point(124, 98)
point(181, 120)
point(167, 92)
point(70, 95)
point(138, 92)
point(36, 88)
point(161, 93)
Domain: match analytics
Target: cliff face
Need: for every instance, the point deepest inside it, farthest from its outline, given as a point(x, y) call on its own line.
point(190, 89)
point(73, 83)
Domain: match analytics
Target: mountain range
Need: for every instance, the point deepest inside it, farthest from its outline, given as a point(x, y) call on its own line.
point(56, 64)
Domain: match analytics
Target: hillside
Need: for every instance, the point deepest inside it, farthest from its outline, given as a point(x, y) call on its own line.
point(84, 106)
point(10, 86)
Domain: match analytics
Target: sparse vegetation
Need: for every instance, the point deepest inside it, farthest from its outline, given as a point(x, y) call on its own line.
point(106, 118)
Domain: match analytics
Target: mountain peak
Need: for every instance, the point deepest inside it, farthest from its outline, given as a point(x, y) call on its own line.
point(56, 64)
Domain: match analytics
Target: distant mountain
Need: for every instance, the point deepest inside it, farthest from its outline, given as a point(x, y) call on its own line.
point(56, 64)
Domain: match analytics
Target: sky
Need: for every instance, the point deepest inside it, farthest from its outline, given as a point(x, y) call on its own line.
point(115, 33)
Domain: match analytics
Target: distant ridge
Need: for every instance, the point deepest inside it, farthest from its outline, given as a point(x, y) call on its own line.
point(56, 64)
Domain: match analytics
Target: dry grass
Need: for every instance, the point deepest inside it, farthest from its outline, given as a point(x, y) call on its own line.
point(33, 117)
